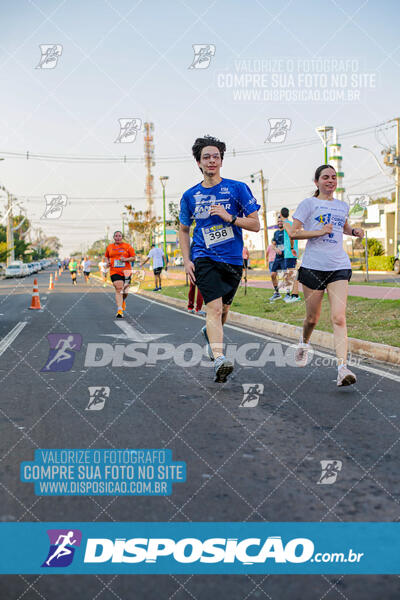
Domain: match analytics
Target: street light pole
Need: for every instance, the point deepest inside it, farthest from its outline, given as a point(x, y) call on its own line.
point(264, 188)
point(324, 132)
point(163, 180)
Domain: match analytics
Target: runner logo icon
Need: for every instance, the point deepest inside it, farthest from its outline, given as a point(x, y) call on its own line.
point(251, 394)
point(62, 547)
point(203, 54)
point(98, 396)
point(62, 351)
point(330, 470)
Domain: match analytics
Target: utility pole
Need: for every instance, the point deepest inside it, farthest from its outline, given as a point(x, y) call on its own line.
point(163, 180)
point(10, 231)
point(149, 162)
point(264, 188)
point(394, 161)
point(397, 207)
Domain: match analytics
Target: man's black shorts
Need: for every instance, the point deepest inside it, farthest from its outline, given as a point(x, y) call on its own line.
point(120, 277)
point(87, 273)
point(279, 263)
point(318, 280)
point(157, 271)
point(217, 279)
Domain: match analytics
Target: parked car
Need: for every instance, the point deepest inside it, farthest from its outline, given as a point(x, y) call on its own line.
point(16, 269)
point(396, 266)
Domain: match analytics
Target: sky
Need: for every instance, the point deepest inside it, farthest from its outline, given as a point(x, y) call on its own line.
point(304, 63)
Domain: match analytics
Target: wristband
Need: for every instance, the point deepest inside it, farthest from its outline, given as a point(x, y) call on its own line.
point(234, 217)
point(352, 233)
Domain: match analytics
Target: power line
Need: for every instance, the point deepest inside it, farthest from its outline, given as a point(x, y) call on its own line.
point(98, 159)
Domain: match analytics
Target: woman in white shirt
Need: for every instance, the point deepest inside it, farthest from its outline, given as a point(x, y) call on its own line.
point(103, 267)
point(322, 221)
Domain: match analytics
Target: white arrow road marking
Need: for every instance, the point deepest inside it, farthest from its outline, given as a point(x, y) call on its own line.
point(134, 335)
point(10, 337)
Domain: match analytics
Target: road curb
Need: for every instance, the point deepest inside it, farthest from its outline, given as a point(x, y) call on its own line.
point(324, 339)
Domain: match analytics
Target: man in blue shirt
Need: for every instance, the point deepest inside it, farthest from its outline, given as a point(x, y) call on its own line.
point(221, 208)
point(279, 262)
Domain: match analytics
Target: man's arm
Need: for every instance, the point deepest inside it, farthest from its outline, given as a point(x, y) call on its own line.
point(250, 223)
point(184, 242)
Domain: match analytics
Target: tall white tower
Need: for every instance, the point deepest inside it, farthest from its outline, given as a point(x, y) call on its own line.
point(335, 159)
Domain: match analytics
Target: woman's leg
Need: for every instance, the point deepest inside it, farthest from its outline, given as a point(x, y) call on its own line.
point(118, 286)
point(313, 299)
point(337, 296)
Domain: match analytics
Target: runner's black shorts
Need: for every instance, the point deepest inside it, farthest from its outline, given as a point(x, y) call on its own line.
point(157, 271)
point(279, 263)
point(318, 280)
point(87, 273)
point(72, 272)
point(217, 279)
point(120, 277)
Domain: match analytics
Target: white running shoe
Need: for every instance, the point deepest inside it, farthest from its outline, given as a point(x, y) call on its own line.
point(287, 298)
point(294, 299)
point(345, 376)
point(301, 354)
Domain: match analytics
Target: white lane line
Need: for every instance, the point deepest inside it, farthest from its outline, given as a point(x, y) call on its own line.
point(10, 337)
point(362, 367)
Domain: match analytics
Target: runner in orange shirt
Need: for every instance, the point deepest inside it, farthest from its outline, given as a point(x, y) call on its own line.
point(119, 256)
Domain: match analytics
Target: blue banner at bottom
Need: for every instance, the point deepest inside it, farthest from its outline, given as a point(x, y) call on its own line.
point(195, 548)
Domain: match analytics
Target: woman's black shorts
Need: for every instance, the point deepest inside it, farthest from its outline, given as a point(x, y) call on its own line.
point(318, 280)
point(217, 279)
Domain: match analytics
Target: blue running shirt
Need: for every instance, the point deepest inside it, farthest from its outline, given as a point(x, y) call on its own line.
point(213, 237)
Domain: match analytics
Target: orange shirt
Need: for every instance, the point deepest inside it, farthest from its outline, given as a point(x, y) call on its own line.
point(116, 254)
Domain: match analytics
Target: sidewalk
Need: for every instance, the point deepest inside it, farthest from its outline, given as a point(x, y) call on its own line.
point(361, 291)
point(364, 291)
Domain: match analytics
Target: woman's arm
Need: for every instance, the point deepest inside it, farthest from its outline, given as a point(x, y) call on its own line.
point(295, 231)
point(354, 231)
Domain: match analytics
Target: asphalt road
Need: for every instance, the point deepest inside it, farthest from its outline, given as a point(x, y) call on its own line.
point(244, 463)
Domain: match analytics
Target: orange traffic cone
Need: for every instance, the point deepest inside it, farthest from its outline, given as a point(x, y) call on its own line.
point(51, 284)
point(55, 276)
point(35, 304)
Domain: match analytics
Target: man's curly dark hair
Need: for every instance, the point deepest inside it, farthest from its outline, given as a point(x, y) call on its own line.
point(207, 140)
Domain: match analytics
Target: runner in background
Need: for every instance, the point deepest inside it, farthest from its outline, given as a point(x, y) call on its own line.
point(86, 266)
point(271, 254)
point(103, 268)
point(199, 302)
point(157, 257)
point(119, 257)
point(322, 221)
point(290, 253)
point(73, 268)
point(279, 261)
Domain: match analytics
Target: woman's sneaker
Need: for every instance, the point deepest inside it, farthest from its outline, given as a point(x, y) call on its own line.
point(301, 354)
point(345, 376)
point(222, 369)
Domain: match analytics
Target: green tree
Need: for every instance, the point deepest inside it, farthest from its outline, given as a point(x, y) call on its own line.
point(375, 247)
